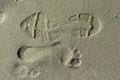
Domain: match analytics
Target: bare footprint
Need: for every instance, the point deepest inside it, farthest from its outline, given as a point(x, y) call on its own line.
point(72, 58)
point(34, 61)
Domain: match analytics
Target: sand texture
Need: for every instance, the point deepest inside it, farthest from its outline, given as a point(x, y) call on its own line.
point(59, 39)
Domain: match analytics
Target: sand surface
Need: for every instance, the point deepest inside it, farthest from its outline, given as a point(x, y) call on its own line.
point(59, 39)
